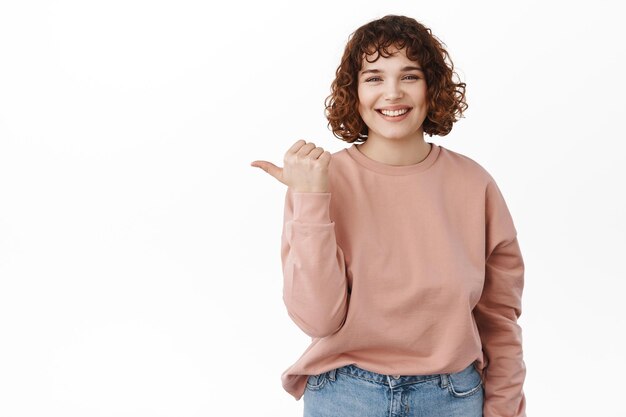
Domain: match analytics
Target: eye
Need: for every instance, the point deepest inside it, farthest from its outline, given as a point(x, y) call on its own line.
point(378, 78)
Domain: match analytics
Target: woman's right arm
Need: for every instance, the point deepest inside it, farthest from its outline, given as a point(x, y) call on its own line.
point(315, 284)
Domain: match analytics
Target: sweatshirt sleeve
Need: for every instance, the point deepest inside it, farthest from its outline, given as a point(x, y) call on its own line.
point(497, 312)
point(315, 285)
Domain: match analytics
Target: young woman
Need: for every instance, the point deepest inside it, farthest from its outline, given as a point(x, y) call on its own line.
point(400, 256)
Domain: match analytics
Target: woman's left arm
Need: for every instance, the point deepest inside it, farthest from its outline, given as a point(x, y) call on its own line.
point(497, 312)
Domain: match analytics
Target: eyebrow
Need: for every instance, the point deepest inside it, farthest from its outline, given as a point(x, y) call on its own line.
point(377, 71)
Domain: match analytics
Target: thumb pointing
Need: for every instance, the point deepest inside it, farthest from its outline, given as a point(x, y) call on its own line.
point(268, 167)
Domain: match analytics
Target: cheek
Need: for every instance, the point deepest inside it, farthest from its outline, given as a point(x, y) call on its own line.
point(365, 101)
point(361, 110)
point(424, 93)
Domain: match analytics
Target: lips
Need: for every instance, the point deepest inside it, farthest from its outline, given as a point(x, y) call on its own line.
point(409, 110)
point(397, 107)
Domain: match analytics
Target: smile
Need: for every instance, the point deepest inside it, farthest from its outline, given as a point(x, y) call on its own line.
point(394, 112)
point(397, 115)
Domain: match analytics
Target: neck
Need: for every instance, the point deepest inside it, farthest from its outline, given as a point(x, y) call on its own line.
point(395, 152)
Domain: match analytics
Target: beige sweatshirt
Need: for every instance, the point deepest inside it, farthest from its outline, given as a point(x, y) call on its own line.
point(406, 270)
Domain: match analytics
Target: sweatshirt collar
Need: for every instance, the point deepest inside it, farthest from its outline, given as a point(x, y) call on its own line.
point(387, 169)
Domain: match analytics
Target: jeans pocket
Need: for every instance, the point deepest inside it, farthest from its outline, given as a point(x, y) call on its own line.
point(465, 383)
point(316, 382)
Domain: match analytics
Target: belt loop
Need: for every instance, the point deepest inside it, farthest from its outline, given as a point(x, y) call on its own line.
point(332, 374)
point(444, 380)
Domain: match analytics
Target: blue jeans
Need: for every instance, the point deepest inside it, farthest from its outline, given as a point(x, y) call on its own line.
point(351, 391)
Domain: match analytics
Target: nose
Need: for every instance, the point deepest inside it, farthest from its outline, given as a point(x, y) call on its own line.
point(393, 91)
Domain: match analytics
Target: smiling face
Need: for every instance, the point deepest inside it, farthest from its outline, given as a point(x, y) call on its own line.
point(393, 83)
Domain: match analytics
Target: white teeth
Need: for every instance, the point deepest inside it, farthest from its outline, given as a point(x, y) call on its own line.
point(394, 113)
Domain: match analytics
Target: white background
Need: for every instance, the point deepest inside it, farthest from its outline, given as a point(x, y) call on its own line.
point(140, 252)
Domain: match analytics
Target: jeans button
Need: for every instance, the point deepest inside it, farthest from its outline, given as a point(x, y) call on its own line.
point(395, 376)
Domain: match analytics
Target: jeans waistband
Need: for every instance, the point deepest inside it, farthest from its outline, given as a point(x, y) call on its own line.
point(390, 380)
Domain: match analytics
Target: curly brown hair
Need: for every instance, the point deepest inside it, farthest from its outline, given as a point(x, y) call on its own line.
point(446, 98)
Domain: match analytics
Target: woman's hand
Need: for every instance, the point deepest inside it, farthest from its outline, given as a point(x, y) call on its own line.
point(306, 168)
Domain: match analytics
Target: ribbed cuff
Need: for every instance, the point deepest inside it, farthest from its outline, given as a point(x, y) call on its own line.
point(311, 207)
